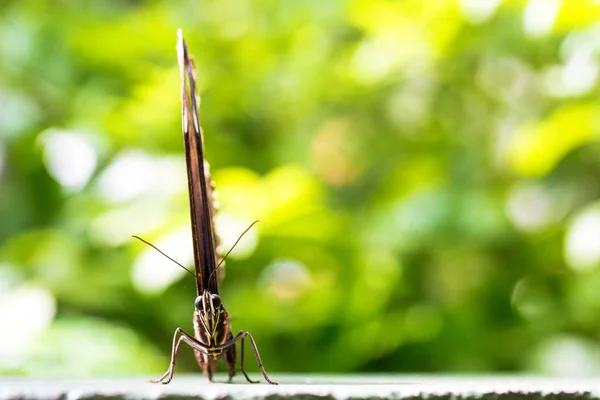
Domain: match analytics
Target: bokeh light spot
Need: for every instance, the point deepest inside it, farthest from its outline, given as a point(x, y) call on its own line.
point(134, 173)
point(152, 272)
point(25, 312)
point(539, 16)
point(115, 226)
point(229, 230)
point(19, 113)
point(286, 279)
point(530, 298)
point(332, 155)
point(69, 156)
point(582, 242)
point(530, 207)
point(568, 356)
point(478, 11)
point(2, 157)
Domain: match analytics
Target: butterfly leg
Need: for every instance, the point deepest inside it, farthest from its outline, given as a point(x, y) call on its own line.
point(240, 336)
point(242, 363)
point(205, 364)
point(230, 357)
point(258, 360)
point(187, 338)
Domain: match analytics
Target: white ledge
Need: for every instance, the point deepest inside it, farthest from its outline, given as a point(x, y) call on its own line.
point(304, 387)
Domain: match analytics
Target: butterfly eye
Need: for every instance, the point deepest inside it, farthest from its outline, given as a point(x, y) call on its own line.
point(198, 303)
point(216, 301)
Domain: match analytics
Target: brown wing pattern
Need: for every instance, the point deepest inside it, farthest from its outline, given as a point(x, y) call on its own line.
point(200, 187)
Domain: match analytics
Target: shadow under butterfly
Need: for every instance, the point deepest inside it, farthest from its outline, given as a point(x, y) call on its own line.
point(213, 338)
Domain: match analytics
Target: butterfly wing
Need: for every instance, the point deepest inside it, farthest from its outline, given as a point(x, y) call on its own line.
point(200, 187)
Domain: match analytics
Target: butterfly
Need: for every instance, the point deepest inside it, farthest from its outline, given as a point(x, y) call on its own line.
point(213, 338)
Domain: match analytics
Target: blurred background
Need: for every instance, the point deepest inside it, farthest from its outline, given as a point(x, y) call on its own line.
point(426, 176)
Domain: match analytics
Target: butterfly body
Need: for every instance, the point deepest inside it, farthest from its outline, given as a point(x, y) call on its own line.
point(212, 328)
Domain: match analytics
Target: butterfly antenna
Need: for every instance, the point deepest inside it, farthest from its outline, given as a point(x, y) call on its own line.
point(160, 251)
point(232, 247)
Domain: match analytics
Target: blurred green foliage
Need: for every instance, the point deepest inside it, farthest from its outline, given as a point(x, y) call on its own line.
point(426, 175)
